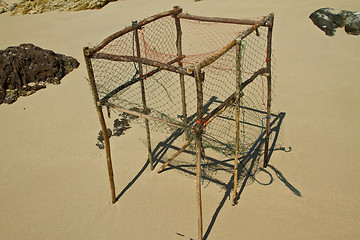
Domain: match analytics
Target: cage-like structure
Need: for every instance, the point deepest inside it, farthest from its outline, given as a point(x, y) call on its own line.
point(207, 78)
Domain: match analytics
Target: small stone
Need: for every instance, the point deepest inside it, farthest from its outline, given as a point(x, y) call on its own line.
point(11, 96)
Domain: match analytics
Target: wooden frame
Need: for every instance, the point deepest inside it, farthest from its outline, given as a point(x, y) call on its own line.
point(195, 72)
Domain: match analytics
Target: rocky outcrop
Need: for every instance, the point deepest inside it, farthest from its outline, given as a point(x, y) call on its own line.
point(26, 68)
point(41, 6)
point(328, 19)
point(4, 7)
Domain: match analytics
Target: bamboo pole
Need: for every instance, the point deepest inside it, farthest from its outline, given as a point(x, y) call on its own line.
point(218, 19)
point(237, 121)
point(131, 28)
point(145, 61)
point(143, 98)
point(182, 81)
point(199, 78)
point(102, 123)
point(268, 105)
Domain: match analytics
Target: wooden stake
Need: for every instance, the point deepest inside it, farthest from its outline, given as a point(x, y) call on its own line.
point(237, 109)
point(268, 105)
point(199, 78)
point(102, 123)
point(143, 98)
point(182, 81)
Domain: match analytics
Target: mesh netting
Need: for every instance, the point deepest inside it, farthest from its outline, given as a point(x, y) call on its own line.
point(200, 40)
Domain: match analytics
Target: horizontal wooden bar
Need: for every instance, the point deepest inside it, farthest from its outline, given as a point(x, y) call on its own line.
point(218, 19)
point(265, 21)
point(141, 60)
point(142, 115)
point(211, 59)
point(135, 80)
point(131, 28)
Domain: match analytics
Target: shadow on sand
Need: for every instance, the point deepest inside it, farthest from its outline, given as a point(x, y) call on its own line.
point(249, 164)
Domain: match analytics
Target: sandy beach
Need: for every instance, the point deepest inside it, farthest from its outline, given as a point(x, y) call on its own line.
point(54, 182)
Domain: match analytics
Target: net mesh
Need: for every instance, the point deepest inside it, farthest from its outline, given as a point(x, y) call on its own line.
point(200, 40)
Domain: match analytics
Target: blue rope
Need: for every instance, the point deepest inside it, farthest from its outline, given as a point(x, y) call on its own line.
point(135, 23)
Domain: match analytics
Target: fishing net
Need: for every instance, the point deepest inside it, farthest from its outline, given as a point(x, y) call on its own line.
point(162, 89)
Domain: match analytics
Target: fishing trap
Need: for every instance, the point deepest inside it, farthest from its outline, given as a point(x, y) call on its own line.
point(207, 78)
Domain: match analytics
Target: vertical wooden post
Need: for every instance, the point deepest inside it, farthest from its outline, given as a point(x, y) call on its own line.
point(102, 123)
point(143, 97)
point(182, 82)
point(268, 104)
point(199, 78)
point(237, 121)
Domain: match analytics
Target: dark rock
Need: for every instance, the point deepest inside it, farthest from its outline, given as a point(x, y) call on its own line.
point(11, 96)
point(352, 22)
point(328, 19)
point(120, 126)
point(26, 69)
point(100, 138)
point(101, 135)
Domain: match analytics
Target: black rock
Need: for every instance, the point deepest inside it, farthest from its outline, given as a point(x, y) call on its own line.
point(26, 68)
point(120, 126)
point(328, 19)
point(352, 22)
point(101, 135)
point(100, 138)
